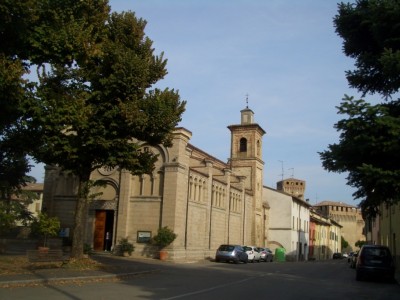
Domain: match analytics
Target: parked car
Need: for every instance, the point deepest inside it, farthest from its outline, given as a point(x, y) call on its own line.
point(353, 260)
point(234, 253)
point(265, 254)
point(252, 253)
point(375, 261)
point(337, 255)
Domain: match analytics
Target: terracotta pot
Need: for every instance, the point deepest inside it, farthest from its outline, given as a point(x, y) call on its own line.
point(163, 255)
point(43, 249)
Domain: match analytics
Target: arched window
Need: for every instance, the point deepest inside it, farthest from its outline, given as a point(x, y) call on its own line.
point(243, 145)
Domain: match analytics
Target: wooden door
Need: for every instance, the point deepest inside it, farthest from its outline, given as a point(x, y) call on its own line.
point(99, 230)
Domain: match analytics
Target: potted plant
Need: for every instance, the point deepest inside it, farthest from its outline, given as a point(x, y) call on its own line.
point(165, 236)
point(124, 247)
point(45, 227)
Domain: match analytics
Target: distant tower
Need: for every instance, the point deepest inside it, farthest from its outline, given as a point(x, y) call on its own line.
point(292, 186)
point(246, 160)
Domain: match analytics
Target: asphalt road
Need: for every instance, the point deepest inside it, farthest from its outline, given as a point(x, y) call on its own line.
point(331, 279)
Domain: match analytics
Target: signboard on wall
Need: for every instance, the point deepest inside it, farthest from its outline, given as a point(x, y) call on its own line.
point(143, 236)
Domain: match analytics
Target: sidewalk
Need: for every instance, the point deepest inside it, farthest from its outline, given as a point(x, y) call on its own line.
point(113, 267)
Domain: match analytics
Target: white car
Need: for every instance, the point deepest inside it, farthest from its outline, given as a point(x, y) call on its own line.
point(252, 253)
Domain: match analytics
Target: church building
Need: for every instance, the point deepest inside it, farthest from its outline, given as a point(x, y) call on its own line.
point(205, 201)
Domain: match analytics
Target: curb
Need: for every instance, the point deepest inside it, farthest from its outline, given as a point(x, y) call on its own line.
point(61, 280)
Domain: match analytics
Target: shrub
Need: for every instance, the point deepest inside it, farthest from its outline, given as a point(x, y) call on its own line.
point(165, 236)
point(125, 246)
point(45, 226)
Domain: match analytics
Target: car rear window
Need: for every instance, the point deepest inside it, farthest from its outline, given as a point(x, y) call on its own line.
point(226, 248)
point(376, 252)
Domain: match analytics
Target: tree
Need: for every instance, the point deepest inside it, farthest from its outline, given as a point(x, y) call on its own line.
point(344, 243)
point(45, 227)
point(370, 33)
point(359, 244)
point(369, 145)
point(93, 105)
point(369, 150)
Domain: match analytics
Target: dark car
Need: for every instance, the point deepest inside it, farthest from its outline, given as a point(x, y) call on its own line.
point(233, 253)
point(337, 255)
point(375, 261)
point(353, 260)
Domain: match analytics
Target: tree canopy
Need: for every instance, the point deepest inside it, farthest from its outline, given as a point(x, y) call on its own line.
point(370, 30)
point(94, 102)
point(369, 145)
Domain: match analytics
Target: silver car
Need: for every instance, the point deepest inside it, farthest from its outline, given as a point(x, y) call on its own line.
point(233, 253)
point(266, 254)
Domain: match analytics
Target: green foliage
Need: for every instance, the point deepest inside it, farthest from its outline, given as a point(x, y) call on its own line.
point(345, 243)
point(11, 213)
point(124, 246)
point(369, 150)
point(369, 147)
point(165, 236)
point(93, 105)
point(87, 249)
point(369, 29)
point(359, 244)
point(45, 227)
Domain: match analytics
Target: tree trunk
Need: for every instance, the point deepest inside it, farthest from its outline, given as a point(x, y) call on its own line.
point(81, 211)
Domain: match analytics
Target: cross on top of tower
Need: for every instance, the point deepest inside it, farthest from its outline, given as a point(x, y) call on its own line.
point(247, 100)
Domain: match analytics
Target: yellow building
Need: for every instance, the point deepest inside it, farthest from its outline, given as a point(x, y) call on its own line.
point(325, 236)
point(349, 217)
point(389, 229)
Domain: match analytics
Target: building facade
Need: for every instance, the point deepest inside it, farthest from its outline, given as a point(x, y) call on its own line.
point(325, 237)
point(349, 217)
point(389, 229)
point(289, 221)
point(205, 201)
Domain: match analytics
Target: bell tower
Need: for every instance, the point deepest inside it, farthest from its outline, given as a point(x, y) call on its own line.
point(246, 160)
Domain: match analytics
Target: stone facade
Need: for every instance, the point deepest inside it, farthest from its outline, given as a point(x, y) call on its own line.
point(347, 216)
point(205, 201)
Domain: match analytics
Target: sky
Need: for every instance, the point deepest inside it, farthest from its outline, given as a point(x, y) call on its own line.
point(283, 56)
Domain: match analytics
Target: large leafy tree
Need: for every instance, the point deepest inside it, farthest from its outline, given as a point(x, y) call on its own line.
point(369, 145)
point(14, 164)
point(94, 100)
point(370, 30)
